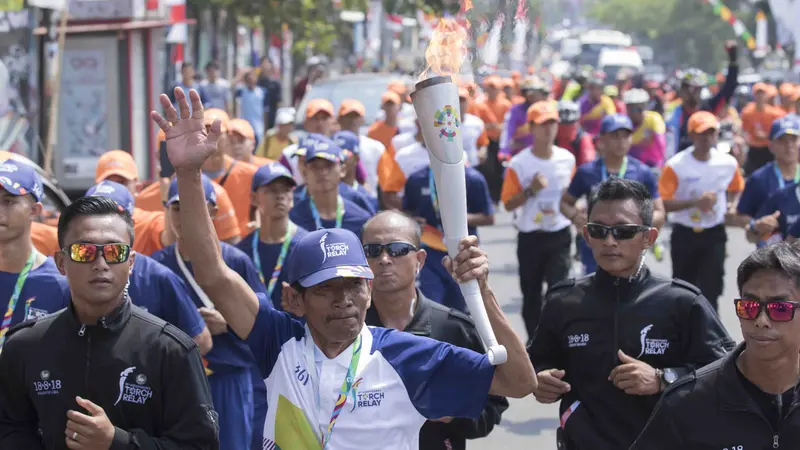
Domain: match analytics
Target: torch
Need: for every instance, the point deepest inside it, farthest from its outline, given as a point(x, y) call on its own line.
point(438, 111)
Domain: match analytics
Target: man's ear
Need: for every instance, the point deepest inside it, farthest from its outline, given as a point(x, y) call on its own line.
point(36, 210)
point(422, 256)
point(254, 200)
point(585, 234)
point(131, 261)
point(650, 237)
point(60, 259)
point(292, 300)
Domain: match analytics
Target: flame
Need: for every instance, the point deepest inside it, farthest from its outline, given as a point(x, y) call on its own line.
point(447, 49)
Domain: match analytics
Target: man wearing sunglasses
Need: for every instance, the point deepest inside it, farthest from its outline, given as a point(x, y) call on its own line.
point(750, 399)
point(392, 245)
point(102, 373)
point(152, 286)
point(231, 368)
point(29, 280)
point(608, 344)
point(334, 382)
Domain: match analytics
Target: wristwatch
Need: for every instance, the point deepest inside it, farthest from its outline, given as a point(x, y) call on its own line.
point(670, 376)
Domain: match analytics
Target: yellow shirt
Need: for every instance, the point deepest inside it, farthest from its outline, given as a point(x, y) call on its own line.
point(271, 147)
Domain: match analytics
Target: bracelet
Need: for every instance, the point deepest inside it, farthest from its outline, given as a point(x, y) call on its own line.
point(660, 376)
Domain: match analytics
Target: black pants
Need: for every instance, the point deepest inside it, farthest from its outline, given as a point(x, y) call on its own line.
point(757, 157)
point(492, 170)
point(699, 258)
point(543, 257)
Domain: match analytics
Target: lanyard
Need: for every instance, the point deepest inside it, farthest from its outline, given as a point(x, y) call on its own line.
point(622, 169)
point(190, 278)
point(12, 302)
point(287, 239)
point(779, 175)
point(347, 384)
point(339, 213)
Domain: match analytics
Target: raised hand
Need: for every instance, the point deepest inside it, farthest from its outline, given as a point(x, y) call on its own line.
point(189, 145)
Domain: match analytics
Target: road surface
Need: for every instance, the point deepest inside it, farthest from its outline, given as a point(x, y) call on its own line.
point(528, 424)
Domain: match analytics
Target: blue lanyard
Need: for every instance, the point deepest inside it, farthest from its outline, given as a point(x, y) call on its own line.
point(339, 213)
point(287, 239)
point(779, 175)
point(622, 169)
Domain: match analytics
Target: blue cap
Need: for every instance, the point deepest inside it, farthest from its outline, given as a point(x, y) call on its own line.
point(306, 141)
point(269, 173)
point(323, 255)
point(21, 179)
point(347, 140)
point(615, 122)
point(208, 190)
point(115, 191)
point(789, 124)
point(323, 147)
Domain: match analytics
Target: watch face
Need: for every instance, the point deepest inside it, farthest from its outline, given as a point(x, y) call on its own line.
point(670, 376)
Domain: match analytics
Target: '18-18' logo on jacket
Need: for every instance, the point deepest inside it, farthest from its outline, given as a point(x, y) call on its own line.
point(137, 393)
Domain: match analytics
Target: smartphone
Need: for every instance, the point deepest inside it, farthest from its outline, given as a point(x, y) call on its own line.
point(166, 166)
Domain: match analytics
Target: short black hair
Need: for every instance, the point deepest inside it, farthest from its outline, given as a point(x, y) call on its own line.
point(92, 206)
point(620, 189)
point(780, 256)
point(212, 65)
point(187, 64)
point(416, 230)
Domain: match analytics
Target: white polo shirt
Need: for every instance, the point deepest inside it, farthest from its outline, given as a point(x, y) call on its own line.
point(370, 152)
point(471, 130)
point(401, 381)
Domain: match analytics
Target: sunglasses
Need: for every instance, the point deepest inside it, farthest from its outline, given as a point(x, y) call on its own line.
point(87, 253)
point(394, 249)
point(620, 232)
point(777, 311)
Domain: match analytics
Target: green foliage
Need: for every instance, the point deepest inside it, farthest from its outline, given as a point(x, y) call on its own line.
point(686, 30)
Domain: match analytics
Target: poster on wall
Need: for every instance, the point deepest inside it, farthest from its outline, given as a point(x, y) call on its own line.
point(83, 133)
point(19, 96)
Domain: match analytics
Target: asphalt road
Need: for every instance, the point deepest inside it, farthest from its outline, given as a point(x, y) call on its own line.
point(528, 424)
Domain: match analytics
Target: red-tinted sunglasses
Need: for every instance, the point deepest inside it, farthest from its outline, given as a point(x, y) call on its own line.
point(777, 311)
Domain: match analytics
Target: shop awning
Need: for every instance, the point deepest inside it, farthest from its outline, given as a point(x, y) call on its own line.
point(118, 26)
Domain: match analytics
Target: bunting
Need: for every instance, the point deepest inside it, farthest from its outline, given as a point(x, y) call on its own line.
point(724, 13)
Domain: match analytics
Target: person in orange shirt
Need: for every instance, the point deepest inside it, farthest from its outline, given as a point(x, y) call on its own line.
point(233, 175)
point(242, 140)
point(384, 130)
point(152, 198)
point(787, 92)
point(45, 238)
point(757, 118)
point(491, 168)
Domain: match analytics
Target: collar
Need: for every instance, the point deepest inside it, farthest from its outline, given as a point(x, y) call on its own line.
point(605, 279)
point(731, 395)
point(343, 358)
point(113, 322)
point(420, 323)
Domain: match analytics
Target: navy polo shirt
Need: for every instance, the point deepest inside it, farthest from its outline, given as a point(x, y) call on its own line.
point(590, 175)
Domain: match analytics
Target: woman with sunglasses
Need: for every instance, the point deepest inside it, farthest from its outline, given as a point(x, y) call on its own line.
point(750, 399)
point(102, 373)
point(609, 343)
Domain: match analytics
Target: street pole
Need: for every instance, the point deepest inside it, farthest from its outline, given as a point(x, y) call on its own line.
point(52, 133)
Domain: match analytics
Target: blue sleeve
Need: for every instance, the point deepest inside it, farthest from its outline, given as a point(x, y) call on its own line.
point(178, 307)
point(408, 200)
point(649, 180)
point(266, 99)
point(442, 380)
point(238, 93)
point(768, 207)
point(248, 271)
point(577, 187)
point(271, 330)
point(478, 198)
point(749, 201)
point(364, 202)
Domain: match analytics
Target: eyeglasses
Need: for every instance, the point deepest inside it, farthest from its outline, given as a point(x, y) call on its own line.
point(394, 249)
point(777, 311)
point(620, 232)
point(87, 253)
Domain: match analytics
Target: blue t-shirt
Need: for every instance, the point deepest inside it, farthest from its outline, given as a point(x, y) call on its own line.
point(268, 256)
point(228, 351)
point(197, 87)
point(354, 216)
point(785, 201)
point(417, 199)
point(162, 293)
point(759, 187)
point(360, 197)
point(590, 175)
point(254, 103)
point(45, 291)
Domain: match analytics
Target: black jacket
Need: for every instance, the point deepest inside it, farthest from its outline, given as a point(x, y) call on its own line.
point(448, 325)
point(665, 323)
point(145, 373)
point(710, 409)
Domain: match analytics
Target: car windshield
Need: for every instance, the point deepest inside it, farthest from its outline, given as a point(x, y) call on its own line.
point(366, 90)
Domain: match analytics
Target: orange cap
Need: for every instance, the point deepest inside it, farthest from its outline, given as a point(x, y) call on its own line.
point(787, 90)
point(391, 97)
point(212, 114)
point(241, 127)
point(702, 121)
point(116, 162)
point(319, 105)
point(352, 106)
point(761, 87)
point(541, 112)
point(398, 87)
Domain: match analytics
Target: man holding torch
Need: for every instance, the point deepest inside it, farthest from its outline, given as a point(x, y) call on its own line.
point(407, 377)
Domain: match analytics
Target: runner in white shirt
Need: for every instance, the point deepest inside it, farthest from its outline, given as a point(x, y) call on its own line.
point(370, 387)
point(351, 118)
point(473, 131)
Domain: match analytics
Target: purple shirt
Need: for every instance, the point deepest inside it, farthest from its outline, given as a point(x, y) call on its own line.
point(517, 117)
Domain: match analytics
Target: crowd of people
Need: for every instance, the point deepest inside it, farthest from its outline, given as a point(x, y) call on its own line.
point(269, 292)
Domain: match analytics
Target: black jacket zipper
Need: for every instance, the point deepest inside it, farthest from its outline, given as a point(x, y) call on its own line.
point(775, 433)
point(82, 332)
point(614, 358)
